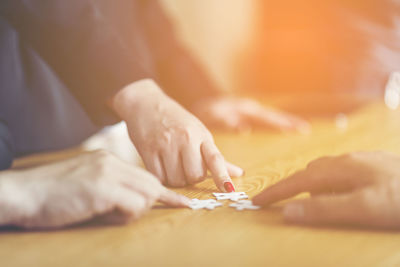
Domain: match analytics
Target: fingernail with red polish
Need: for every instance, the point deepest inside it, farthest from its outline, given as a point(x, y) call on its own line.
point(229, 187)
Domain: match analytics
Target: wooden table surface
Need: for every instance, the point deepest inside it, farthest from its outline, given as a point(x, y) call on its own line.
point(224, 236)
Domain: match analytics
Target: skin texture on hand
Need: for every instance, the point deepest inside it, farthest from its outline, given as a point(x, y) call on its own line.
point(78, 189)
point(241, 114)
point(361, 188)
point(174, 145)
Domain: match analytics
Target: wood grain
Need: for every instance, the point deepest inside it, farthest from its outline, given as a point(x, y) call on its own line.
point(226, 237)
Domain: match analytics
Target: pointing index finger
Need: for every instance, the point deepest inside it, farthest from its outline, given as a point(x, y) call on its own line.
point(216, 164)
point(284, 189)
point(170, 198)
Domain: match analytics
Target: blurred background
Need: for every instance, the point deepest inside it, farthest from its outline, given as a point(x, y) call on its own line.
point(280, 49)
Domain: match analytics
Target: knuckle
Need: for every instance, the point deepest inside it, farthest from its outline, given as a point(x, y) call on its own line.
point(155, 178)
point(151, 145)
point(160, 179)
point(139, 211)
point(353, 156)
point(177, 183)
point(369, 198)
point(208, 135)
point(101, 201)
point(349, 156)
point(353, 159)
point(186, 133)
point(148, 198)
point(151, 199)
point(103, 158)
point(152, 196)
point(102, 165)
point(102, 154)
point(165, 138)
point(318, 162)
point(154, 184)
point(102, 168)
point(216, 157)
point(196, 180)
point(194, 177)
point(375, 202)
point(313, 163)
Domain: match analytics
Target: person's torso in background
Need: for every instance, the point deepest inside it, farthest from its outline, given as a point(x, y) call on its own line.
point(322, 46)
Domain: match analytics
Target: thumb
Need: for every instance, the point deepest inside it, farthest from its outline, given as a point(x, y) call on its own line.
point(338, 209)
point(172, 199)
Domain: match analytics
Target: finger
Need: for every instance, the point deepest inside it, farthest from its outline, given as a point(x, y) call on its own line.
point(284, 189)
point(252, 113)
point(340, 174)
point(216, 164)
point(130, 204)
point(154, 165)
point(115, 216)
point(146, 185)
point(241, 125)
point(301, 125)
point(173, 167)
point(362, 207)
point(151, 189)
point(244, 127)
point(231, 122)
point(322, 210)
point(236, 123)
point(274, 120)
point(193, 164)
point(282, 120)
point(233, 170)
point(321, 176)
point(173, 199)
point(264, 117)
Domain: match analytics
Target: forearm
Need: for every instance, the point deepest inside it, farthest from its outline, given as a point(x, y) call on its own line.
point(140, 94)
point(11, 199)
point(178, 72)
point(184, 79)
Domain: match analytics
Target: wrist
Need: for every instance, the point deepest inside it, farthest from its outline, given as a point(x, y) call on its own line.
point(133, 97)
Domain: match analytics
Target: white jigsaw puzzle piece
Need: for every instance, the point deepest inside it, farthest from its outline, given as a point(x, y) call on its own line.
point(244, 205)
point(209, 204)
point(233, 196)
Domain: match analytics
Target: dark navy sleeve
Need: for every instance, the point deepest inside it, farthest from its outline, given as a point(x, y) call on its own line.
point(81, 45)
point(6, 147)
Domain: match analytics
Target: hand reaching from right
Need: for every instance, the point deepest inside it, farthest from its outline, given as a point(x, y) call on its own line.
point(361, 188)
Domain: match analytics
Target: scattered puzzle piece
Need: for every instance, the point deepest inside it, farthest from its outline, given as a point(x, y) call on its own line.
point(234, 196)
point(209, 204)
point(244, 205)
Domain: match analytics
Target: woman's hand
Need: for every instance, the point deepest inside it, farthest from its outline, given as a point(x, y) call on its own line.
point(360, 188)
point(174, 145)
point(78, 189)
point(241, 114)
